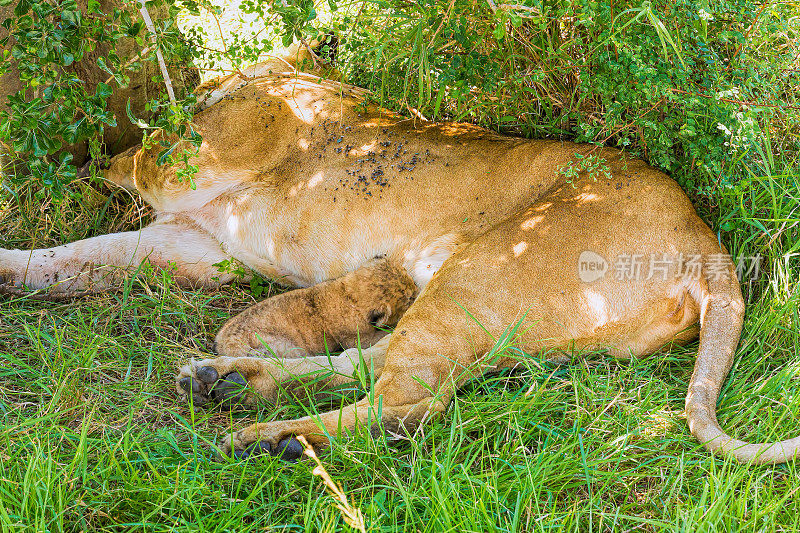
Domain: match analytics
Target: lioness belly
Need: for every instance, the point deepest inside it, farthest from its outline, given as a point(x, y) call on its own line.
point(336, 214)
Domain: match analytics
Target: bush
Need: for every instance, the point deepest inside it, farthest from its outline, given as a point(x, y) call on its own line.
point(71, 72)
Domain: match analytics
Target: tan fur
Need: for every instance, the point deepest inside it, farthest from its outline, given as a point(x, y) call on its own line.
point(301, 181)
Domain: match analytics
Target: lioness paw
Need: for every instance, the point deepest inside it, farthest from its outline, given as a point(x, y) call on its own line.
point(262, 440)
point(228, 381)
point(212, 381)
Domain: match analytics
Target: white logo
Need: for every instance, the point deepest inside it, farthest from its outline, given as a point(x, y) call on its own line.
point(591, 266)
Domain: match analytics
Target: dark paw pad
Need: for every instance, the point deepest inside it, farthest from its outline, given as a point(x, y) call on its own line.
point(208, 374)
point(289, 449)
point(257, 449)
point(190, 386)
point(229, 390)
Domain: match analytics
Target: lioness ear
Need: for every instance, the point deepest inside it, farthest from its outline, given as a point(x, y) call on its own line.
point(327, 48)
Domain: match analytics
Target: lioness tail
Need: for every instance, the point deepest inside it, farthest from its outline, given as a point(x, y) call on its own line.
point(721, 315)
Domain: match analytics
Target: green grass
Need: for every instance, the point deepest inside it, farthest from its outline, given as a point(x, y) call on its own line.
point(94, 436)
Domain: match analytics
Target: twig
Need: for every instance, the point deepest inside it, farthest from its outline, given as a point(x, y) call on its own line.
point(747, 34)
point(317, 60)
point(631, 123)
point(152, 29)
point(352, 515)
point(444, 19)
point(225, 45)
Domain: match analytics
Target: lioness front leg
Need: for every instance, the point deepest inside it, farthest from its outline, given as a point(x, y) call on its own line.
point(415, 384)
point(244, 380)
point(100, 263)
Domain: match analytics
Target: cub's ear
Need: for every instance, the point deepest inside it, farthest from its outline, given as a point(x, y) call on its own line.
point(377, 318)
point(383, 317)
point(327, 47)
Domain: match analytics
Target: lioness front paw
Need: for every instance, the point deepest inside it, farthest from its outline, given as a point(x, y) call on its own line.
point(212, 381)
point(227, 381)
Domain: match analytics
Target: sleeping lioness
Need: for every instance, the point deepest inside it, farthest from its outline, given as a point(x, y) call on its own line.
point(476, 248)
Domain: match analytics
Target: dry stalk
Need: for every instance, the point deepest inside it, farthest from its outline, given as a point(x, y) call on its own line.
point(516, 8)
point(314, 57)
point(152, 29)
point(352, 515)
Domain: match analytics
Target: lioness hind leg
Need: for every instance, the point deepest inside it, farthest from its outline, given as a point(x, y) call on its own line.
point(100, 263)
point(331, 316)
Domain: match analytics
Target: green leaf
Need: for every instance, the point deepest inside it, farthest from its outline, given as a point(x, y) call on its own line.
point(101, 62)
point(164, 154)
point(22, 7)
point(103, 90)
point(135, 121)
point(499, 31)
point(71, 17)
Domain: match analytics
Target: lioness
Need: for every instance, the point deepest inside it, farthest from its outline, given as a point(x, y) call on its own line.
point(474, 246)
